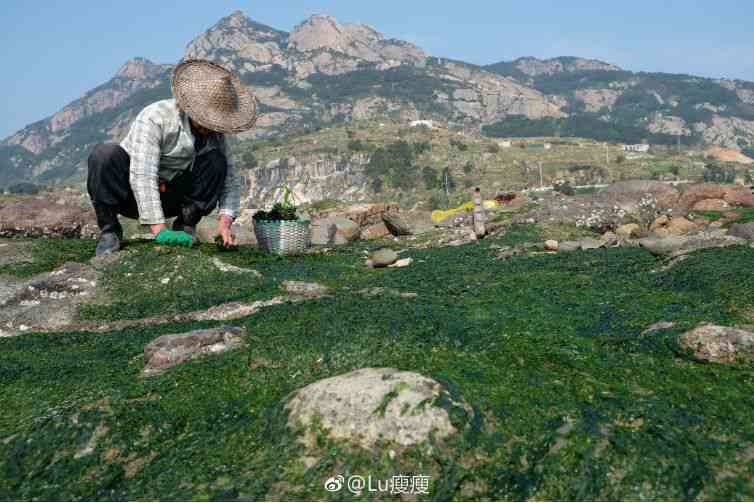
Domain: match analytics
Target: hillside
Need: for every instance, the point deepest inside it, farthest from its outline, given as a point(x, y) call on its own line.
point(325, 72)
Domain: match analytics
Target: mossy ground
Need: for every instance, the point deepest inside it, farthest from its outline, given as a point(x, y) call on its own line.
point(570, 401)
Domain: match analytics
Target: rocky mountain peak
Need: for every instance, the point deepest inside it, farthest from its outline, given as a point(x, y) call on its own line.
point(319, 31)
point(237, 37)
point(355, 40)
point(236, 19)
point(139, 68)
point(534, 67)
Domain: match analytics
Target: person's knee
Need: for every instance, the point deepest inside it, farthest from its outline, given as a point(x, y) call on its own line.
point(103, 154)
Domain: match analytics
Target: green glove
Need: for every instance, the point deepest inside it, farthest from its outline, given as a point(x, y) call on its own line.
point(175, 238)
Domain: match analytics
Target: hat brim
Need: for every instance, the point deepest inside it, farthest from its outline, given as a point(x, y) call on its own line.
point(230, 108)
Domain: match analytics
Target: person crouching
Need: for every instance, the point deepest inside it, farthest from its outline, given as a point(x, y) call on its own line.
point(175, 160)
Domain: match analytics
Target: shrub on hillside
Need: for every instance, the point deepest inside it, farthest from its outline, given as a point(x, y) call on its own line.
point(24, 188)
point(430, 177)
point(719, 174)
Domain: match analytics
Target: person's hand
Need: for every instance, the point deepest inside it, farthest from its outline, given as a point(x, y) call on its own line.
point(174, 238)
point(156, 228)
point(223, 230)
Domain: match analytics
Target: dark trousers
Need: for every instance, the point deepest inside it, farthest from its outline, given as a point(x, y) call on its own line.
point(189, 196)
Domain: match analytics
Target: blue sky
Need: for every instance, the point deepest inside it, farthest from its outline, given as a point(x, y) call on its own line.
point(54, 51)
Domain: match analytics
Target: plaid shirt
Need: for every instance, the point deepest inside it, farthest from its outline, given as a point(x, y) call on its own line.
point(161, 146)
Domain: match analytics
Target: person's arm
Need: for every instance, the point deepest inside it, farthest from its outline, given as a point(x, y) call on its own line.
point(230, 198)
point(146, 136)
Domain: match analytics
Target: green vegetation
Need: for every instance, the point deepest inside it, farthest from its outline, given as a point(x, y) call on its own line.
point(719, 174)
point(582, 126)
point(569, 401)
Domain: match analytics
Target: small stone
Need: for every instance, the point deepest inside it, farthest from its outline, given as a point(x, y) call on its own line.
point(165, 281)
point(383, 257)
point(404, 262)
point(551, 245)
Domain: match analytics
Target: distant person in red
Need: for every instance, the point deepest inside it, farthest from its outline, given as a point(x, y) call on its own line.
point(175, 161)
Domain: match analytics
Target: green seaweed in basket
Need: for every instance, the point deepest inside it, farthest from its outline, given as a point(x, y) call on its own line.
point(280, 211)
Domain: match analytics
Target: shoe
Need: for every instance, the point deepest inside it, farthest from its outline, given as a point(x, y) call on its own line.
point(109, 242)
point(187, 221)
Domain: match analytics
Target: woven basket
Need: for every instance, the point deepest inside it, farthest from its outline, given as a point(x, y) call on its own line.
point(283, 237)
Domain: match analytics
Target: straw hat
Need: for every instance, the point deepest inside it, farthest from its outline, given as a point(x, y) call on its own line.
point(213, 97)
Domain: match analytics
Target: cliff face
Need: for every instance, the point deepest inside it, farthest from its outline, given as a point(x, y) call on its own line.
point(311, 179)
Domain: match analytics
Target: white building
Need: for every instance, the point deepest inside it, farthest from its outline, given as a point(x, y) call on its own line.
point(427, 124)
point(636, 148)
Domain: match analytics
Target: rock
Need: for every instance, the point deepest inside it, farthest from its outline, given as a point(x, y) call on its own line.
point(551, 245)
point(206, 231)
point(734, 195)
point(737, 195)
point(303, 289)
point(396, 224)
point(711, 205)
point(591, 244)
point(675, 226)
point(731, 215)
point(44, 217)
point(372, 405)
point(223, 267)
point(47, 301)
point(375, 231)
point(334, 231)
point(675, 246)
point(379, 291)
point(169, 350)
point(383, 257)
point(629, 231)
point(744, 231)
point(367, 214)
point(404, 262)
point(458, 219)
point(719, 344)
point(656, 327)
point(663, 246)
point(568, 246)
point(610, 239)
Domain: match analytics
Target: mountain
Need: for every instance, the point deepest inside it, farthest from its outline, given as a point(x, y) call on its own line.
point(325, 72)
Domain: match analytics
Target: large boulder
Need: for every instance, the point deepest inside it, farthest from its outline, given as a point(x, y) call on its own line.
point(334, 231)
point(396, 224)
point(672, 226)
point(734, 195)
point(375, 231)
point(373, 405)
point(367, 214)
point(743, 231)
point(719, 344)
point(45, 216)
point(674, 246)
point(169, 350)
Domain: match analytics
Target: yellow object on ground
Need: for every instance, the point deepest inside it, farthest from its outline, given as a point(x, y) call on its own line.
point(440, 215)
